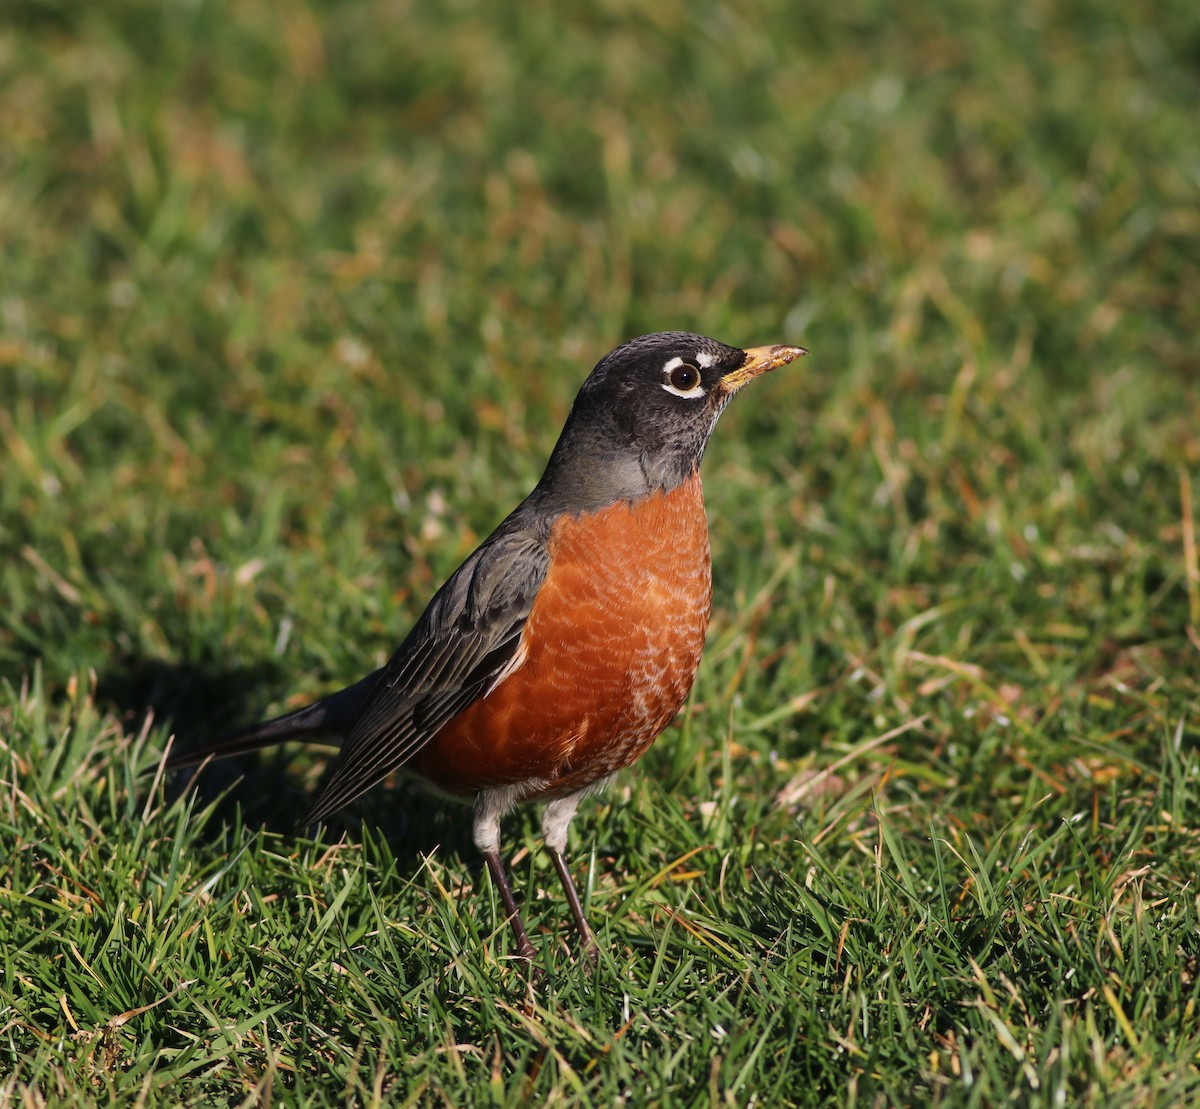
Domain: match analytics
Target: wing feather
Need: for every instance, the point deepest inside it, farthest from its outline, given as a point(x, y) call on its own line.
point(469, 633)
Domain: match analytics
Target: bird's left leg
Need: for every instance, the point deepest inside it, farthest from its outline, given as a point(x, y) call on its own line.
point(555, 822)
point(490, 806)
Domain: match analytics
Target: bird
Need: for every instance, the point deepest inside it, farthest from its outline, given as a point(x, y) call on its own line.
point(560, 649)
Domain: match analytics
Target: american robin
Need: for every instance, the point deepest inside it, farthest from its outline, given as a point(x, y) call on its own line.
point(560, 650)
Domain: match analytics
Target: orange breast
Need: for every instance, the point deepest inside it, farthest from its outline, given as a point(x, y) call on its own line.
point(610, 651)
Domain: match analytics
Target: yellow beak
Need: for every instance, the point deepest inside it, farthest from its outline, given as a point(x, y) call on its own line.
point(759, 360)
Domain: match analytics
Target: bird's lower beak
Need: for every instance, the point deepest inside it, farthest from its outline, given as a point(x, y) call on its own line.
point(759, 360)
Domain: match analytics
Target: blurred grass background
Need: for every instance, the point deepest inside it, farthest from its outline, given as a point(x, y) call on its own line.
point(293, 301)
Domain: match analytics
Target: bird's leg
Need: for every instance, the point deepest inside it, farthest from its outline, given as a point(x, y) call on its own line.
point(490, 805)
point(564, 876)
point(555, 823)
point(500, 877)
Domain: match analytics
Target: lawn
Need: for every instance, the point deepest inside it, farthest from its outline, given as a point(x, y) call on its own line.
point(293, 302)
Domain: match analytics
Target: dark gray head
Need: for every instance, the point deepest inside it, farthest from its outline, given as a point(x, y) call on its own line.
point(643, 417)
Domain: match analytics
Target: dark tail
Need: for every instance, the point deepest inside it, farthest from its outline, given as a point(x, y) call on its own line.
point(331, 716)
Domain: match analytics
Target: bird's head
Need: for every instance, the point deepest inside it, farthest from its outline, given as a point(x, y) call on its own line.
point(643, 417)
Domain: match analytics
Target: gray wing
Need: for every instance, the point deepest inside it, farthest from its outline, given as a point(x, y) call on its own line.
point(470, 631)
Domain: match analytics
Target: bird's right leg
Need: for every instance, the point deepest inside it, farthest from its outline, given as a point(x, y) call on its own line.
point(557, 819)
point(490, 806)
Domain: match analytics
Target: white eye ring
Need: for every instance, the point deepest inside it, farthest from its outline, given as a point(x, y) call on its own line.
point(682, 379)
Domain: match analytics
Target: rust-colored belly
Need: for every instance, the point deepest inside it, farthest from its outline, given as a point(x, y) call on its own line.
point(610, 651)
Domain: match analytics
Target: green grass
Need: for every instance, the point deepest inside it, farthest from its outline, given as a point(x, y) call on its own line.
point(293, 301)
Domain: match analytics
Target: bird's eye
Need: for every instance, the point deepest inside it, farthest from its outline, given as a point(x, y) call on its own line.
point(685, 377)
point(682, 379)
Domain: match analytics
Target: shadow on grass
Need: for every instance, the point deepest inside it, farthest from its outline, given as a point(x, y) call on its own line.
point(197, 702)
point(270, 789)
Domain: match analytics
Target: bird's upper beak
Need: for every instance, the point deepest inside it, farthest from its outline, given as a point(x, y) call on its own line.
point(758, 361)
